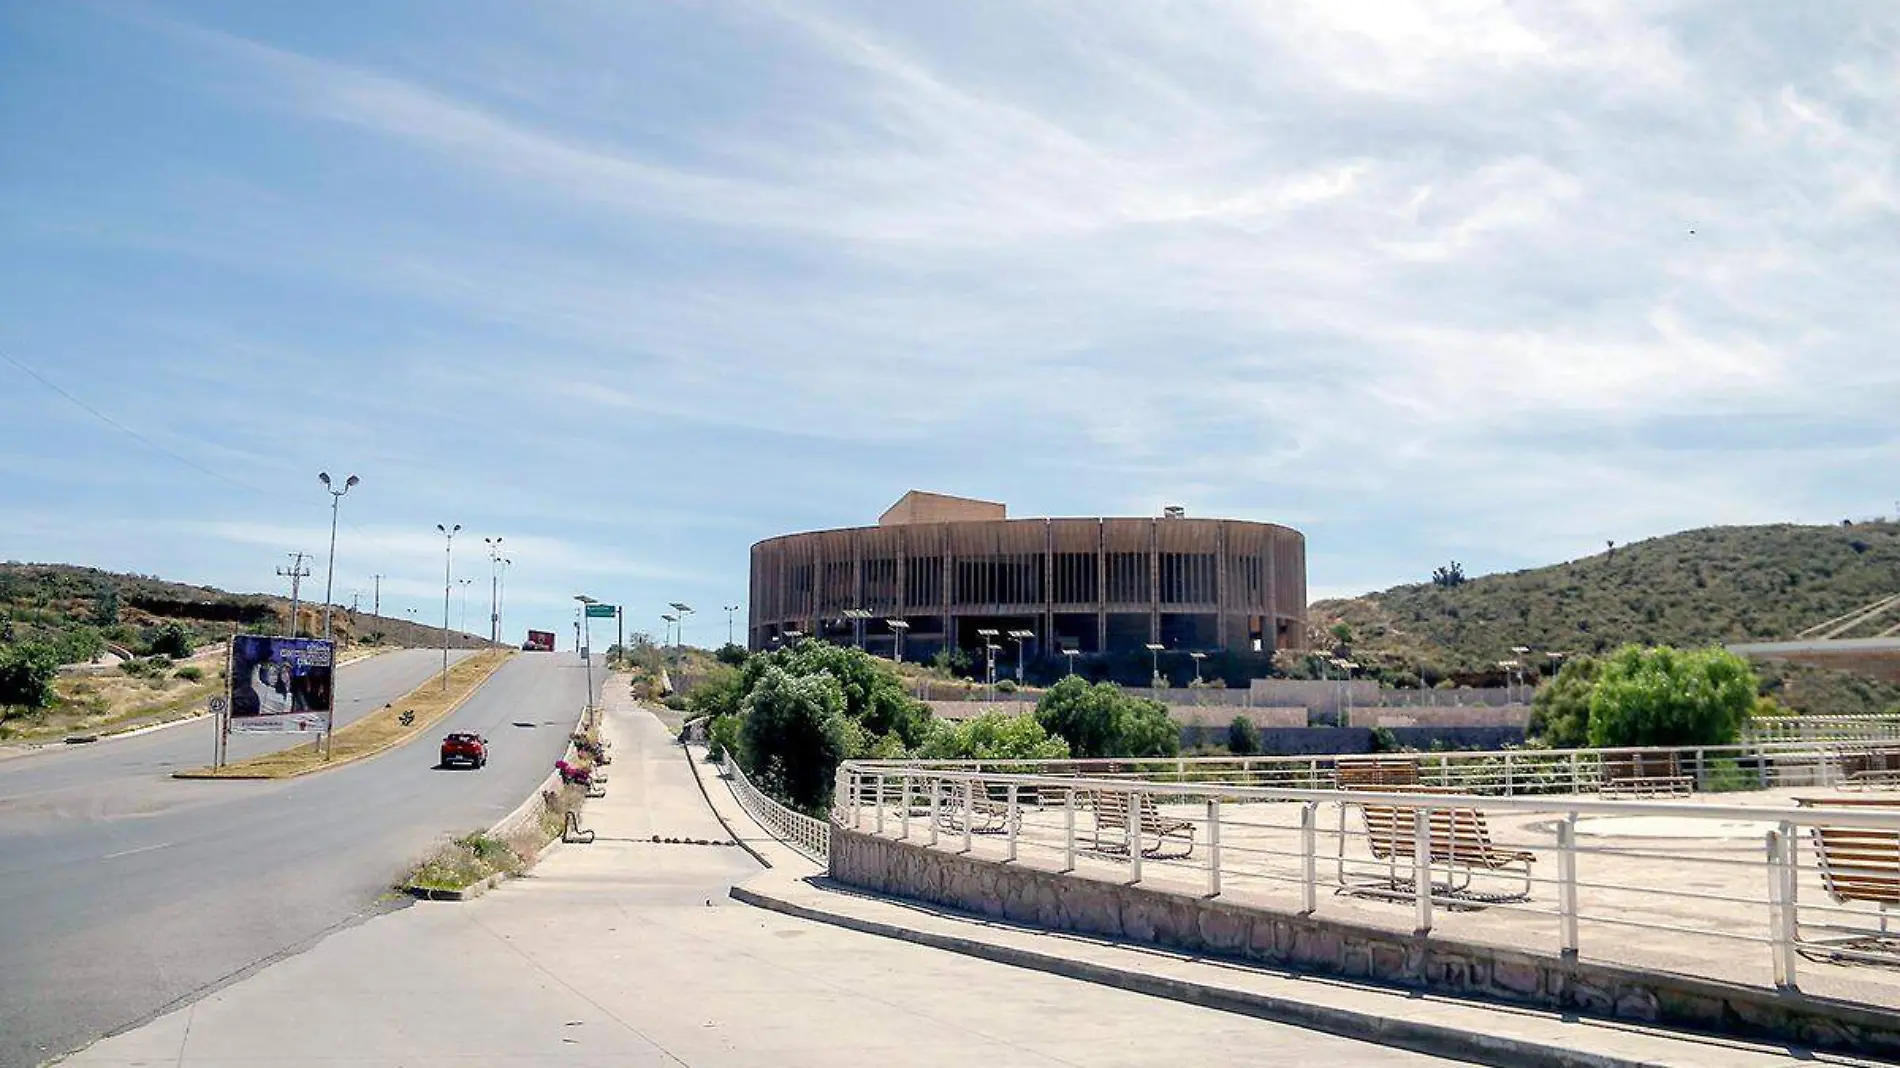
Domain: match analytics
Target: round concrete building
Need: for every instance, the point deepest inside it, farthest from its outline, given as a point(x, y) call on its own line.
point(937, 571)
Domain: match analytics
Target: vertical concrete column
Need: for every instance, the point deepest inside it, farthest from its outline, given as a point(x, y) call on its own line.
point(1101, 585)
point(1154, 580)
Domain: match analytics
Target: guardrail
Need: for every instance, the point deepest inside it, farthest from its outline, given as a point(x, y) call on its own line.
point(1651, 771)
point(1727, 891)
point(1871, 727)
point(809, 836)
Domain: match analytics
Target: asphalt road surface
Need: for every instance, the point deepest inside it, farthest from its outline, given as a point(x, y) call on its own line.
point(124, 892)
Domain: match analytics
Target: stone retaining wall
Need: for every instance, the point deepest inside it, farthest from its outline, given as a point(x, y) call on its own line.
point(1138, 914)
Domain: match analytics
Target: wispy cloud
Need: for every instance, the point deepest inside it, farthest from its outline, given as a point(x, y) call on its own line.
point(1467, 267)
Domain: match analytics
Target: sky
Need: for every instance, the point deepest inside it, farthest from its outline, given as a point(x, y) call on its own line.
point(633, 285)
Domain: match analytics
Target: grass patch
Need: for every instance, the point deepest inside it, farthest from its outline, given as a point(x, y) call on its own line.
point(380, 730)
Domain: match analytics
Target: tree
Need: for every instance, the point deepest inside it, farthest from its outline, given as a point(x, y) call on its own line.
point(1341, 632)
point(170, 640)
point(874, 695)
point(720, 693)
point(27, 670)
point(1242, 738)
point(1667, 696)
point(1560, 710)
point(1453, 574)
point(1102, 720)
point(992, 736)
point(105, 607)
point(795, 734)
point(731, 654)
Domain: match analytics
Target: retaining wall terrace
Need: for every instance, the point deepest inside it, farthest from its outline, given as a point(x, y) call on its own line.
point(1083, 905)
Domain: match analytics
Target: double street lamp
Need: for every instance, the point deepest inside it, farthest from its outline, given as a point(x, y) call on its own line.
point(898, 627)
point(684, 610)
point(1019, 637)
point(494, 589)
point(1154, 655)
point(730, 609)
point(448, 580)
point(336, 499)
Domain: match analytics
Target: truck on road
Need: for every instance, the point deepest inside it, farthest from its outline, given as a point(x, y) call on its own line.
point(539, 641)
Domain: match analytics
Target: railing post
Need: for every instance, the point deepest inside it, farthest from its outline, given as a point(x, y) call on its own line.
point(1510, 776)
point(880, 804)
point(1309, 858)
point(904, 815)
point(1422, 867)
point(1068, 828)
point(1011, 817)
point(1134, 836)
point(936, 807)
point(969, 810)
point(1576, 773)
point(1567, 881)
point(1781, 906)
point(1213, 847)
point(855, 792)
point(1701, 780)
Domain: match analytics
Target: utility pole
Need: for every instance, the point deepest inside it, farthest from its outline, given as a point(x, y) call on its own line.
point(620, 629)
point(296, 573)
point(376, 603)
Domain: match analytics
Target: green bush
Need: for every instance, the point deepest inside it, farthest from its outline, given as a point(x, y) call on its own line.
point(190, 673)
point(1665, 696)
point(1560, 710)
point(723, 736)
point(169, 640)
point(1724, 775)
point(1005, 685)
point(1242, 738)
point(27, 670)
point(1103, 720)
point(992, 736)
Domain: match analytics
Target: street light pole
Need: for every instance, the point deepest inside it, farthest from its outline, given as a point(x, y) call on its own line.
point(684, 610)
point(1071, 654)
point(501, 605)
point(494, 589)
point(1197, 658)
point(336, 498)
point(448, 579)
point(587, 657)
point(464, 583)
point(898, 627)
point(1154, 655)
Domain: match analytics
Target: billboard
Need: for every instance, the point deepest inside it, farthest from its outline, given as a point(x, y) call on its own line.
point(539, 641)
point(281, 684)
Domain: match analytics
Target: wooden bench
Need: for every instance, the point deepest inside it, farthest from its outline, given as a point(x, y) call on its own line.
point(1375, 772)
point(1644, 775)
point(1111, 812)
point(1858, 864)
point(1458, 838)
point(988, 815)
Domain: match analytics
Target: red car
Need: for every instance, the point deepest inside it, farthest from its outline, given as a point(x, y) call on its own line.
point(464, 748)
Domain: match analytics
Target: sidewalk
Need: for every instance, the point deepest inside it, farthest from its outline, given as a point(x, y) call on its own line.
point(1444, 1026)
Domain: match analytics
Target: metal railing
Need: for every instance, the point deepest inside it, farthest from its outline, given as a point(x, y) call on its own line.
point(1873, 727)
point(809, 836)
point(1738, 892)
point(1642, 771)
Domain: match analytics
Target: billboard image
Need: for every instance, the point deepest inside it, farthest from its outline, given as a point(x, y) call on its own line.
point(281, 684)
point(539, 641)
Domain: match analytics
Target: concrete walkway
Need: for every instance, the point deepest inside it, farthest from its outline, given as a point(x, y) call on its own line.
point(628, 953)
point(795, 886)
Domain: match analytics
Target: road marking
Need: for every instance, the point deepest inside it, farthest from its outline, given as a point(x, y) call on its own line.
point(141, 849)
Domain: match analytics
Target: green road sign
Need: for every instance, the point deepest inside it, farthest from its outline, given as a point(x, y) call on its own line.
point(600, 611)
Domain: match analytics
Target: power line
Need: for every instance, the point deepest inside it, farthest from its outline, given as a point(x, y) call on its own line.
point(128, 431)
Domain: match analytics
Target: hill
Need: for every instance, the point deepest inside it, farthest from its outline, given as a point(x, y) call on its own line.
point(1714, 585)
point(51, 602)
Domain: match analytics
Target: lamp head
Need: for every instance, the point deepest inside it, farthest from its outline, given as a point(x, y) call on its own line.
point(323, 477)
point(351, 481)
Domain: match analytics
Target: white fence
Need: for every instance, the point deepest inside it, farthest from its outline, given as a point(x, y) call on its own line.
point(1654, 771)
point(1728, 891)
point(809, 836)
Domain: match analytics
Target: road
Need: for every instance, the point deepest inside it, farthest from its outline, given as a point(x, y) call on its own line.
point(123, 891)
point(628, 953)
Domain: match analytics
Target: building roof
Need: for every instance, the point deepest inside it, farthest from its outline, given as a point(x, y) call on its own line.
point(918, 506)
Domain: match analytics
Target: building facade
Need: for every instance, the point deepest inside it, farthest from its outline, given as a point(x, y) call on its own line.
point(943, 569)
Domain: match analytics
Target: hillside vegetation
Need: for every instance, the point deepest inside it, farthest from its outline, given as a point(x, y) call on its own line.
point(1700, 587)
point(50, 602)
